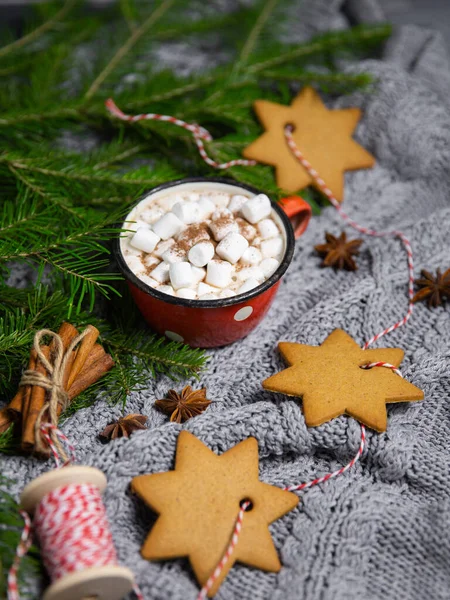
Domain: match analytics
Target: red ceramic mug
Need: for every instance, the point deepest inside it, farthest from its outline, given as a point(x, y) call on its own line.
point(212, 323)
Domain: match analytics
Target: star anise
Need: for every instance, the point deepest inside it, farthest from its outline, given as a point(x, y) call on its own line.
point(435, 290)
point(124, 427)
point(182, 406)
point(338, 252)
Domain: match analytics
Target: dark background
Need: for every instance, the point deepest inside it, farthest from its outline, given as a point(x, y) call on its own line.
point(433, 14)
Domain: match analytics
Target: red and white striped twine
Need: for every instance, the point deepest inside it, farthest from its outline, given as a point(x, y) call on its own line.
point(73, 532)
point(71, 525)
point(367, 231)
point(228, 552)
point(46, 428)
point(199, 133)
point(22, 549)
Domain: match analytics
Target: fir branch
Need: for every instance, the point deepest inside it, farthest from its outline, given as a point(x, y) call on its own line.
point(349, 39)
point(11, 527)
point(254, 34)
point(123, 50)
point(39, 31)
point(7, 446)
point(329, 82)
point(158, 355)
point(119, 156)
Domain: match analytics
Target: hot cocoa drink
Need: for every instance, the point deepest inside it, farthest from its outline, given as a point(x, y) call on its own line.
point(203, 245)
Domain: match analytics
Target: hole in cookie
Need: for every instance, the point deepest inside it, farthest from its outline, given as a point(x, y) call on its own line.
point(367, 366)
point(290, 127)
point(248, 502)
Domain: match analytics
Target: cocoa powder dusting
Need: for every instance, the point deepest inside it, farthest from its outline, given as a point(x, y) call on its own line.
point(223, 222)
point(198, 232)
point(245, 229)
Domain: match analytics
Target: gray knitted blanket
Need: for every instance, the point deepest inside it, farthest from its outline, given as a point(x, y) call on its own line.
point(382, 530)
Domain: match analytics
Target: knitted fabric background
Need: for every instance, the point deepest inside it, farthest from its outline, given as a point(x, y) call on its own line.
point(382, 529)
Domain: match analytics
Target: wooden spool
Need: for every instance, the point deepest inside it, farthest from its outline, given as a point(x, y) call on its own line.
point(96, 583)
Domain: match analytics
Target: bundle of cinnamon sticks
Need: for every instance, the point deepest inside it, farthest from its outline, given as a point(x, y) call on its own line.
point(86, 365)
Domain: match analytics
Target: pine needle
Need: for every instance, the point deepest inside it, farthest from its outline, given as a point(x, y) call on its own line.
point(123, 50)
point(36, 33)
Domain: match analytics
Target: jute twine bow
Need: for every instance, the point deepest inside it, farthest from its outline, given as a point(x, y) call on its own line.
point(52, 383)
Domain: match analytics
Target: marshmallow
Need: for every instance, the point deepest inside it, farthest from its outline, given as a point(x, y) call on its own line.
point(166, 289)
point(218, 273)
point(186, 293)
point(145, 240)
point(267, 229)
point(133, 227)
point(248, 285)
point(251, 272)
point(219, 213)
point(200, 254)
point(232, 247)
point(161, 272)
point(149, 280)
point(128, 250)
point(193, 197)
point(181, 275)
point(252, 256)
point(208, 297)
point(256, 208)
point(151, 215)
point(168, 226)
point(245, 229)
point(193, 234)
point(188, 212)
point(220, 200)
point(135, 264)
point(167, 203)
point(162, 247)
point(269, 266)
point(206, 207)
point(222, 224)
point(227, 293)
point(272, 248)
point(204, 288)
point(236, 202)
point(173, 255)
point(198, 274)
point(150, 261)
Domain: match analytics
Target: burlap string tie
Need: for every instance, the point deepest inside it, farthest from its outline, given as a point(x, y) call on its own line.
point(52, 382)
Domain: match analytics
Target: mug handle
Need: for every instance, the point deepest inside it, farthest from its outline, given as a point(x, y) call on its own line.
point(299, 213)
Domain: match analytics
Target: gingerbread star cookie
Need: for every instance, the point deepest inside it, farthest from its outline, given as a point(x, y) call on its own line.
point(331, 382)
point(198, 504)
point(323, 136)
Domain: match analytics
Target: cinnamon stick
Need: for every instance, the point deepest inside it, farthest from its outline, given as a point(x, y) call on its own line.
point(34, 406)
point(90, 375)
point(97, 352)
point(83, 352)
point(16, 403)
point(67, 333)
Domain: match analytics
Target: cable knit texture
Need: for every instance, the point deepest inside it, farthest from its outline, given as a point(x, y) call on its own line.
point(382, 529)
